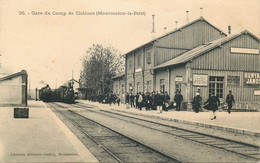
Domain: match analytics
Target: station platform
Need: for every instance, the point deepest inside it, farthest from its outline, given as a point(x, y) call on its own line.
point(40, 138)
point(238, 122)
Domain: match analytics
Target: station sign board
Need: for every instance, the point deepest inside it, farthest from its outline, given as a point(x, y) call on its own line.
point(200, 80)
point(138, 70)
point(178, 78)
point(233, 80)
point(257, 92)
point(251, 79)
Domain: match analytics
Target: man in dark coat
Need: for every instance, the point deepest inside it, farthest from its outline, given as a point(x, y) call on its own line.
point(136, 100)
point(148, 100)
point(196, 103)
point(178, 99)
point(160, 101)
point(153, 103)
point(213, 104)
point(127, 98)
point(230, 100)
point(166, 101)
point(132, 99)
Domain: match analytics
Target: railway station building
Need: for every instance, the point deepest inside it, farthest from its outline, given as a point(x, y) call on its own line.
point(197, 57)
point(13, 89)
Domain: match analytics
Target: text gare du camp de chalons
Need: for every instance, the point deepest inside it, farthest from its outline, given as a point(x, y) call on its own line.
point(90, 13)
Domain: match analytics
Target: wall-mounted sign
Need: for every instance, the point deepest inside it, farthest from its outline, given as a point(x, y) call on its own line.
point(257, 92)
point(233, 80)
point(200, 80)
point(244, 50)
point(178, 78)
point(138, 70)
point(252, 79)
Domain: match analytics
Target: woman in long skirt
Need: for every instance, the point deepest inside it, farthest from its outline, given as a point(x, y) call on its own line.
point(213, 104)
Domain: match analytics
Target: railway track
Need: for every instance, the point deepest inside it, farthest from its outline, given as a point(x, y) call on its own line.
point(120, 147)
point(237, 147)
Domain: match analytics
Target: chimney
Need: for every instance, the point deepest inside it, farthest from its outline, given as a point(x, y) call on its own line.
point(201, 11)
point(165, 29)
point(187, 19)
point(153, 30)
point(176, 24)
point(229, 30)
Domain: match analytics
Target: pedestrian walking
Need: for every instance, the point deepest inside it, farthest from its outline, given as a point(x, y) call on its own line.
point(178, 99)
point(230, 100)
point(160, 101)
point(196, 103)
point(212, 104)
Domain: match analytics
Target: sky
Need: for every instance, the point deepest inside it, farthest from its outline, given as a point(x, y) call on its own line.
point(51, 47)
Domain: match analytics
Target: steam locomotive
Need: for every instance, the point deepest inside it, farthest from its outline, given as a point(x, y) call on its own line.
point(62, 94)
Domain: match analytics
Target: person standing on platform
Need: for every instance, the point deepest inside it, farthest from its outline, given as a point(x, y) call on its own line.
point(153, 106)
point(148, 101)
point(132, 100)
point(140, 100)
point(178, 99)
point(166, 101)
point(230, 100)
point(136, 100)
point(213, 104)
point(127, 98)
point(196, 103)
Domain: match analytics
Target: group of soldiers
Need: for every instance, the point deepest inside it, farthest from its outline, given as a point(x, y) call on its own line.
point(160, 101)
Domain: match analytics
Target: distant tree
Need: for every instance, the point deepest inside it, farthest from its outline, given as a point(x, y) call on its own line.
point(100, 64)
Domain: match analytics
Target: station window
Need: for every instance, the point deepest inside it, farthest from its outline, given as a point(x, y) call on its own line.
point(148, 87)
point(139, 60)
point(149, 57)
point(162, 85)
point(116, 89)
point(178, 87)
point(138, 86)
point(130, 63)
point(216, 86)
point(123, 89)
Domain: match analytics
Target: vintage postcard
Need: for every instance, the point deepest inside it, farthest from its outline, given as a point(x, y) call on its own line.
point(129, 81)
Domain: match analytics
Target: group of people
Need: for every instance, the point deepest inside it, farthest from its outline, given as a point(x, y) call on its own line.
point(212, 103)
point(161, 101)
point(153, 101)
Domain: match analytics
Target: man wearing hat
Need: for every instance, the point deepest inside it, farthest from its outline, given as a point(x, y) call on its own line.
point(178, 99)
point(229, 100)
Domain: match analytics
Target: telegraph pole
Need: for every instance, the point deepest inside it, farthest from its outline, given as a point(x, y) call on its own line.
point(72, 79)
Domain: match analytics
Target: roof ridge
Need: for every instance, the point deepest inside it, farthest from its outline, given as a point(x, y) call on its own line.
point(175, 30)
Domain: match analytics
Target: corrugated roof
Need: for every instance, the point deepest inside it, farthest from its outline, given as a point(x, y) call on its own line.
point(175, 30)
point(200, 50)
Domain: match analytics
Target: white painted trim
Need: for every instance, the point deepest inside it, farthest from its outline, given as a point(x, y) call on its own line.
point(244, 50)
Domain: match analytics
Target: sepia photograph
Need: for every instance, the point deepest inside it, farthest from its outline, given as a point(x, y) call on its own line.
point(129, 81)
